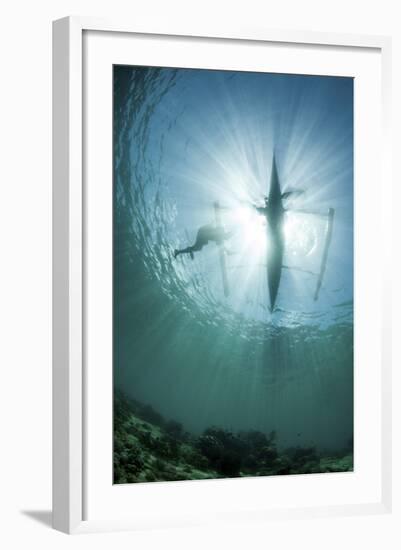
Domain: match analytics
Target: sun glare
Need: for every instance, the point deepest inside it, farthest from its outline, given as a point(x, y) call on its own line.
point(252, 227)
point(300, 235)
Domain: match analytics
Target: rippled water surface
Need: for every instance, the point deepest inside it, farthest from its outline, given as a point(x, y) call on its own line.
point(184, 139)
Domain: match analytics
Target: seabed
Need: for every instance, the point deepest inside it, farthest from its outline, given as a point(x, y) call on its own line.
point(149, 448)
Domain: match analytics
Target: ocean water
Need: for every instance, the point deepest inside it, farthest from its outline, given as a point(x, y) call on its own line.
point(184, 139)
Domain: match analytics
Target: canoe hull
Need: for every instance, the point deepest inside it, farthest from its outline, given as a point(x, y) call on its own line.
point(275, 237)
point(275, 255)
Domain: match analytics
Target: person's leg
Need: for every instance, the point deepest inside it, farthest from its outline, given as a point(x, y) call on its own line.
point(198, 245)
point(187, 250)
point(200, 241)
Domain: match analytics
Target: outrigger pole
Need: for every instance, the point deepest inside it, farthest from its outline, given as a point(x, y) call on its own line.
point(329, 232)
point(222, 258)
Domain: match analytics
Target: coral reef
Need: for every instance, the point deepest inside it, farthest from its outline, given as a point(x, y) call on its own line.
point(149, 448)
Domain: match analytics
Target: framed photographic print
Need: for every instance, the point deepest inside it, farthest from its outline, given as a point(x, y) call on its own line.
point(220, 304)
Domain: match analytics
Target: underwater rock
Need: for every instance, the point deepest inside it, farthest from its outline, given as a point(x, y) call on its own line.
point(175, 429)
point(162, 451)
point(146, 452)
point(330, 464)
point(282, 466)
point(229, 464)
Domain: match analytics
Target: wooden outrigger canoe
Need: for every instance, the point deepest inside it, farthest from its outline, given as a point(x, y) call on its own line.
point(274, 213)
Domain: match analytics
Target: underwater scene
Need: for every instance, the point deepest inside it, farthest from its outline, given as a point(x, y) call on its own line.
point(232, 274)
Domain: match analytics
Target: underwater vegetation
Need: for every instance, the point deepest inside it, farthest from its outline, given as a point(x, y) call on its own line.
point(147, 447)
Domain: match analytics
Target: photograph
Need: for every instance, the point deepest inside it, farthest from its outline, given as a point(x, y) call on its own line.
point(233, 274)
point(201, 262)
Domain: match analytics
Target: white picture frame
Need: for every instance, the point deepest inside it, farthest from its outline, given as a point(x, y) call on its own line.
point(70, 261)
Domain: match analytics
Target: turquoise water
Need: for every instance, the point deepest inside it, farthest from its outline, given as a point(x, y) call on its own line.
point(182, 140)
